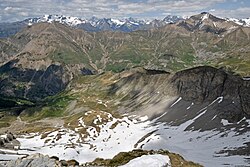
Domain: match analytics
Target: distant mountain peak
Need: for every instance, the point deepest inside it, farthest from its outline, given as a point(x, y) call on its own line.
point(204, 13)
point(172, 19)
point(242, 22)
point(95, 24)
point(206, 16)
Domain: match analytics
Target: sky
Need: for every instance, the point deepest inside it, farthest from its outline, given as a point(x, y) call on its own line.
point(17, 10)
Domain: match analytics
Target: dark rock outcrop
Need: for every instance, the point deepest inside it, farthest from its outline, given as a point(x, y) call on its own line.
point(30, 83)
point(205, 84)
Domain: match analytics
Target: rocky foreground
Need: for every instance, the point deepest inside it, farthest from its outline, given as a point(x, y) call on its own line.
point(125, 159)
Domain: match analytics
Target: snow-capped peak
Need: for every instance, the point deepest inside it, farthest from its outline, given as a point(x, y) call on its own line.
point(71, 21)
point(172, 19)
point(242, 22)
point(205, 16)
point(237, 21)
point(247, 22)
point(117, 21)
point(97, 22)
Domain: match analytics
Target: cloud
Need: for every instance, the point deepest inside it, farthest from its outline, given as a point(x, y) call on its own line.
point(21, 9)
point(242, 12)
point(8, 8)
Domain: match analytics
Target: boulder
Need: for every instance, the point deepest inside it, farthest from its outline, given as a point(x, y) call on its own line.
point(35, 160)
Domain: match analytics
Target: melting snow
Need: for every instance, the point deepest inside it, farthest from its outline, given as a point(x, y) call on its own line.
point(125, 134)
point(81, 122)
point(190, 106)
point(247, 21)
point(214, 117)
point(225, 122)
point(179, 99)
point(206, 16)
point(246, 79)
point(237, 21)
point(201, 147)
point(143, 118)
point(219, 99)
point(156, 160)
point(3, 136)
point(103, 141)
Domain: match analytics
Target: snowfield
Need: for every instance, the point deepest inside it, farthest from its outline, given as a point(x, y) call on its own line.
point(108, 136)
point(105, 143)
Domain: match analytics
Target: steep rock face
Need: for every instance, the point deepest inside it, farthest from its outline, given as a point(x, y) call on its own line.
point(244, 93)
point(205, 84)
point(202, 88)
point(30, 83)
point(140, 88)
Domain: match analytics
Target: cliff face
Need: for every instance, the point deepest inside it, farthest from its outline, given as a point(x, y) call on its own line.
point(32, 84)
point(204, 84)
point(140, 88)
point(222, 94)
point(245, 97)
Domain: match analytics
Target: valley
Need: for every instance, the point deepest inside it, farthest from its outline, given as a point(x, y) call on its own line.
point(82, 123)
point(109, 98)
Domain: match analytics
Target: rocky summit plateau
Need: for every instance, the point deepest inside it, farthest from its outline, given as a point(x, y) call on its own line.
point(106, 92)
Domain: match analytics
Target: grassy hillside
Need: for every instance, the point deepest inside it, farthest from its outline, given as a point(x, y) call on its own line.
point(171, 48)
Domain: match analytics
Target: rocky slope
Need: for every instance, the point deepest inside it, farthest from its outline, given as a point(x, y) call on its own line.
point(62, 52)
point(172, 47)
point(39, 160)
point(102, 115)
point(57, 95)
point(200, 85)
point(203, 84)
point(32, 84)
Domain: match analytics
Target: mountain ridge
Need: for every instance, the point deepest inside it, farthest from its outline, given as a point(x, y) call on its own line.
point(190, 42)
point(95, 24)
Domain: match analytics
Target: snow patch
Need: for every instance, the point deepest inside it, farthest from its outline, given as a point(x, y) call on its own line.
point(117, 22)
point(225, 122)
point(156, 160)
point(104, 140)
point(214, 117)
point(206, 16)
point(246, 78)
point(247, 22)
point(190, 106)
point(179, 99)
point(237, 21)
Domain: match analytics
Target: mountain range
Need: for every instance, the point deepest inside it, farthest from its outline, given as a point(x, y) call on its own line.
point(202, 39)
point(95, 24)
point(85, 96)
